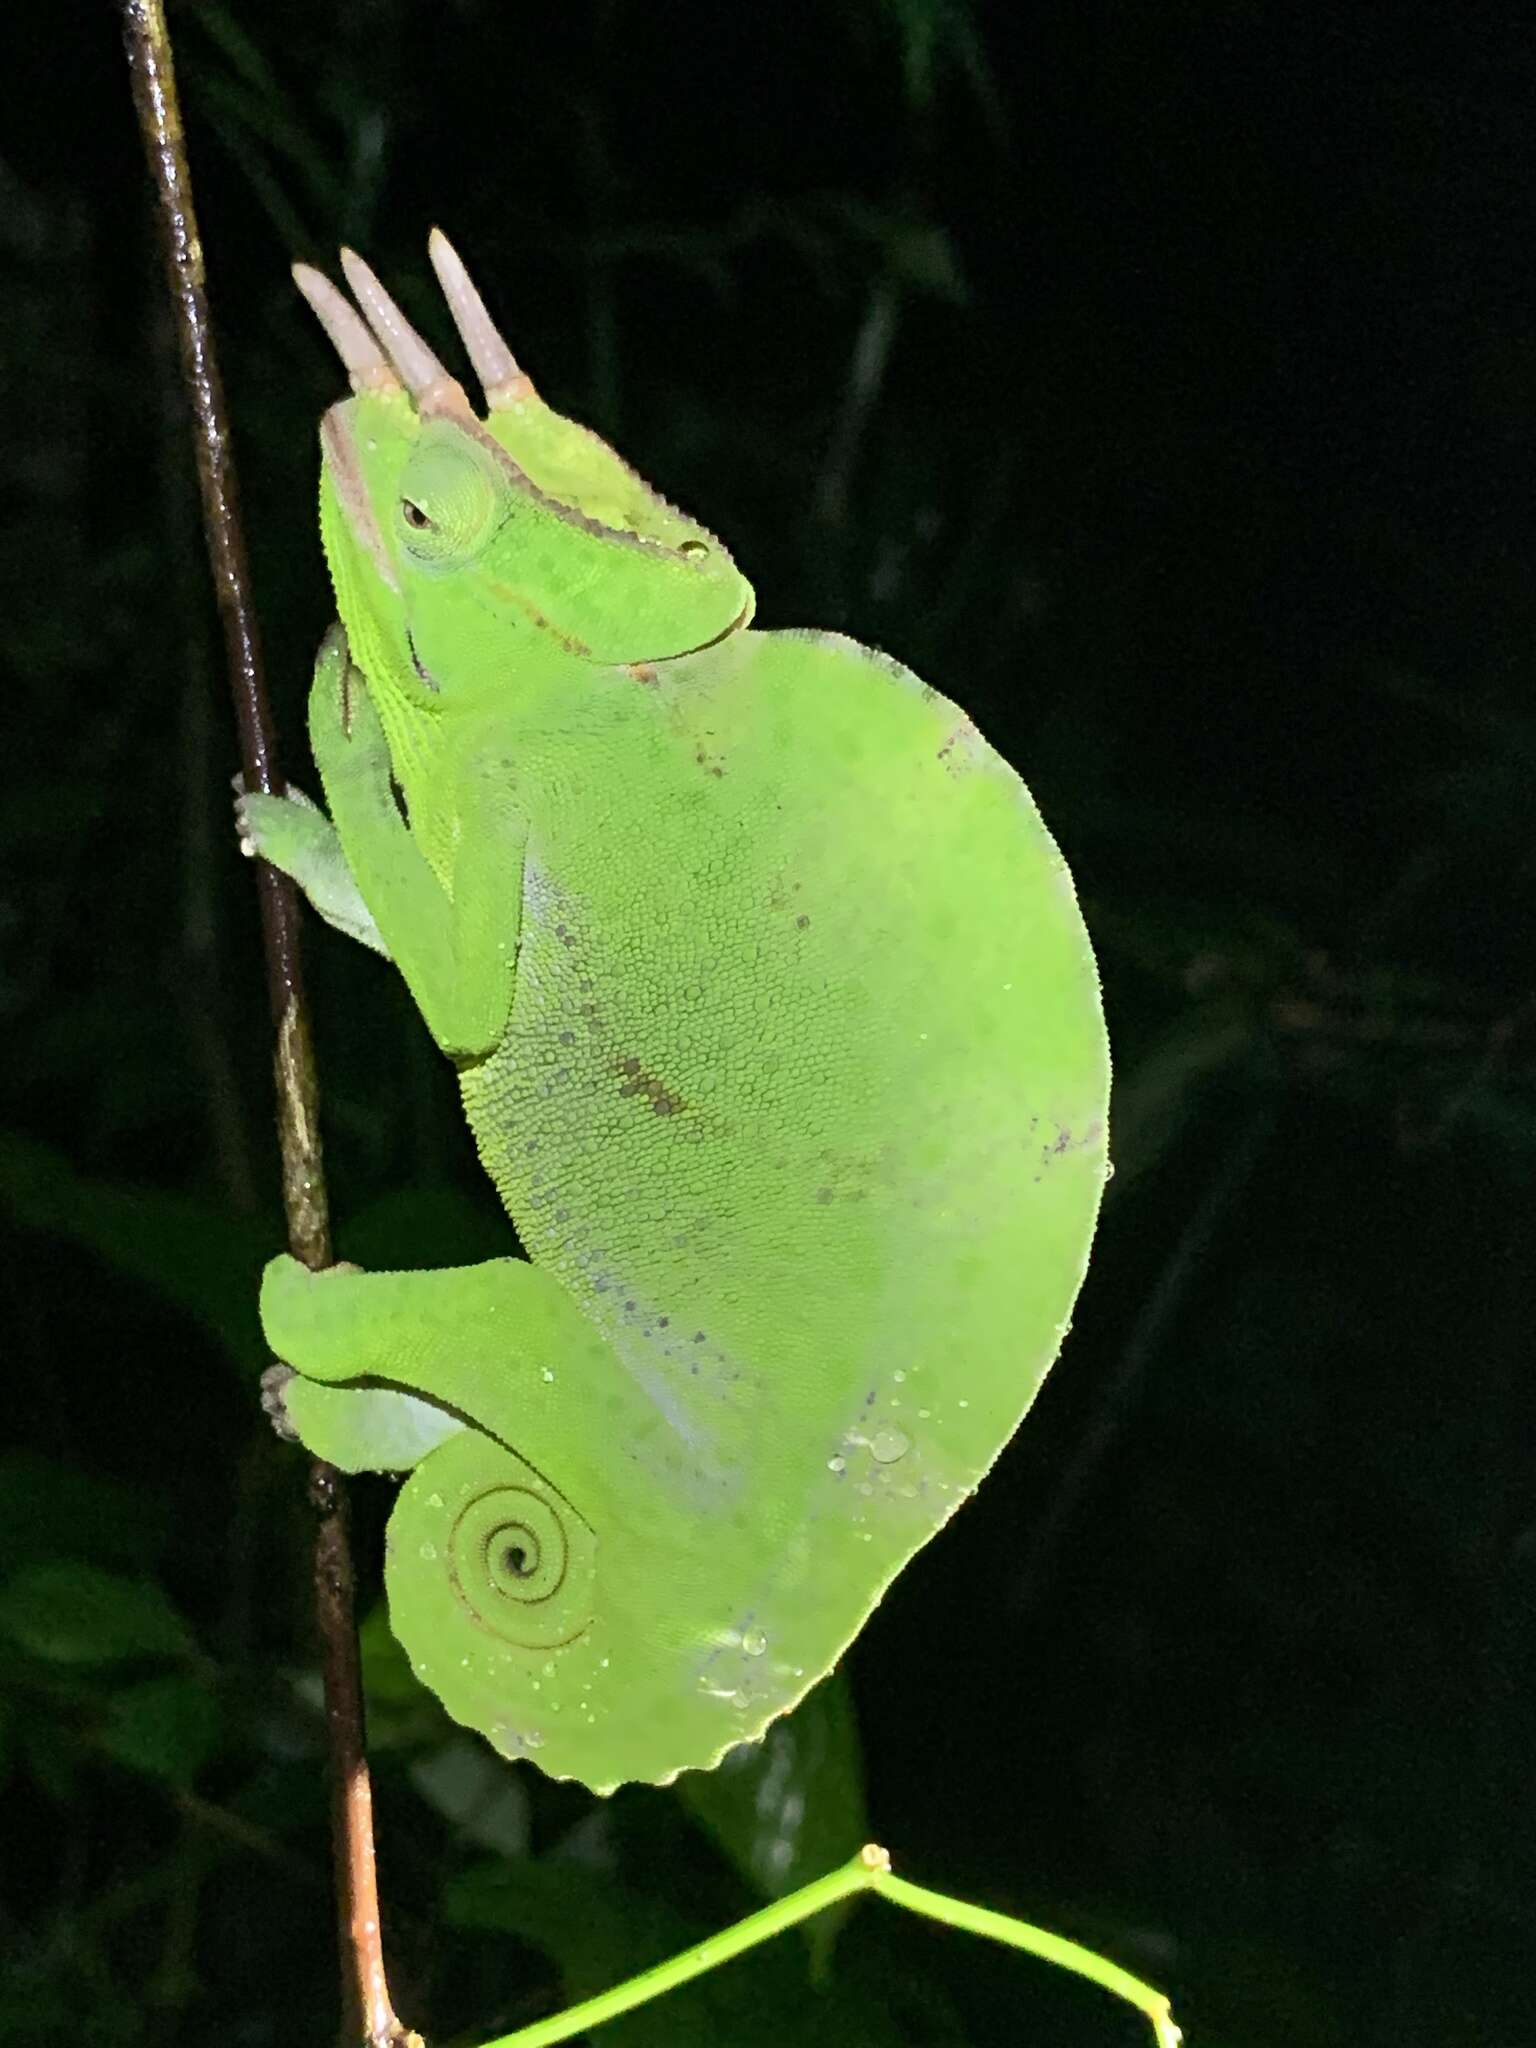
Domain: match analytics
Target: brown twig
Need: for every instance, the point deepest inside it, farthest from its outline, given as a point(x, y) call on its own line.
point(368, 2014)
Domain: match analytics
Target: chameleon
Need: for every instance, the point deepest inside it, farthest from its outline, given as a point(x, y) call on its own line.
point(779, 1033)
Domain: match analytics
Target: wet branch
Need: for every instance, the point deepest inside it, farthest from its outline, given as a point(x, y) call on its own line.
point(368, 2015)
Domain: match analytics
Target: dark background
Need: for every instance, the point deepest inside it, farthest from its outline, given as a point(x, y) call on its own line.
point(1160, 382)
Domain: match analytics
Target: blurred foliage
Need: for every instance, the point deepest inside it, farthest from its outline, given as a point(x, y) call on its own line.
point(1159, 382)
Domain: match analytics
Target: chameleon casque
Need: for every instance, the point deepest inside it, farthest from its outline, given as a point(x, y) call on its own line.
point(779, 1034)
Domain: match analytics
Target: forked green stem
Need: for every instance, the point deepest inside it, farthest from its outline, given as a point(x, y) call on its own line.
point(870, 1871)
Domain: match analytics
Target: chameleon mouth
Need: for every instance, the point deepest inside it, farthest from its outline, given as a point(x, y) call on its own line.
point(742, 619)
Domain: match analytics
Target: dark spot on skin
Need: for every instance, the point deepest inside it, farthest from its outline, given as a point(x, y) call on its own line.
point(662, 1322)
point(959, 750)
point(1064, 1142)
point(801, 923)
point(423, 675)
point(638, 1082)
point(698, 1336)
point(629, 1308)
point(641, 671)
point(535, 617)
point(823, 1195)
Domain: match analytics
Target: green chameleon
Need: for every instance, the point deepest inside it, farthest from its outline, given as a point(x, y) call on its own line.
point(778, 1031)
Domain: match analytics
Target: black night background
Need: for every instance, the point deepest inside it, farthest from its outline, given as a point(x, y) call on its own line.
point(1159, 381)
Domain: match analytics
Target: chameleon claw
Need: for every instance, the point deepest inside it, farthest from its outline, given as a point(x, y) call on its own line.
point(273, 1406)
point(503, 383)
point(420, 371)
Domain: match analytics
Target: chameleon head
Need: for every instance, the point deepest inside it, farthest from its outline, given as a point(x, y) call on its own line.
point(460, 545)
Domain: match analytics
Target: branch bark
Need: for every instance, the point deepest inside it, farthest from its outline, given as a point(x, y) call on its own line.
point(368, 2015)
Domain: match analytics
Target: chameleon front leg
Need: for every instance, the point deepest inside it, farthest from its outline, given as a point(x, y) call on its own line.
point(456, 946)
point(294, 834)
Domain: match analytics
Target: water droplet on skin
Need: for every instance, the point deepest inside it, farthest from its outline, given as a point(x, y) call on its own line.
point(898, 1377)
point(965, 1404)
point(837, 1464)
point(549, 1669)
point(547, 1374)
point(754, 1642)
point(923, 1414)
point(427, 1553)
point(533, 1738)
point(602, 1663)
point(887, 1445)
point(434, 1500)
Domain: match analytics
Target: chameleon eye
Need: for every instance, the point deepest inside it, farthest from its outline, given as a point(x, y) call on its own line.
point(451, 499)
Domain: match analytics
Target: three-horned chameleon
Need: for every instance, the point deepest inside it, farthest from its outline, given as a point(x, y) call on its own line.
point(779, 1034)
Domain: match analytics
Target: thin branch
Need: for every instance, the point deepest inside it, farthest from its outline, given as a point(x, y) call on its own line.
point(368, 2014)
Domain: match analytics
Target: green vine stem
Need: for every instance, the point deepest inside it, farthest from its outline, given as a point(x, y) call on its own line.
point(869, 1871)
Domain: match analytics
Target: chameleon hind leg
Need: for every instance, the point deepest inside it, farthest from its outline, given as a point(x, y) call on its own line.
point(388, 1364)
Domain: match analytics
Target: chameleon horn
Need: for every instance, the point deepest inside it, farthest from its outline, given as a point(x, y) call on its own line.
point(519, 1566)
point(420, 371)
point(366, 363)
point(493, 362)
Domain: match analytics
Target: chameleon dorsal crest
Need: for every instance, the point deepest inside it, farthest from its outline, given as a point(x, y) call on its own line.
point(779, 1033)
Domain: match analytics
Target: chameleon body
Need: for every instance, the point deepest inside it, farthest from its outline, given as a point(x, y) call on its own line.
point(778, 1030)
